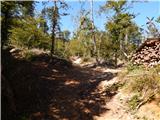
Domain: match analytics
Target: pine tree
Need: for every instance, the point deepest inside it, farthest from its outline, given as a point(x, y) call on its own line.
point(120, 27)
point(12, 10)
point(54, 15)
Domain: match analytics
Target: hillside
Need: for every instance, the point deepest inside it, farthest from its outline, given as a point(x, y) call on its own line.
point(56, 91)
point(81, 60)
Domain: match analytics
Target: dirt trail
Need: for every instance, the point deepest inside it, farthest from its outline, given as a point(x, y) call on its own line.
point(80, 95)
point(59, 91)
point(45, 91)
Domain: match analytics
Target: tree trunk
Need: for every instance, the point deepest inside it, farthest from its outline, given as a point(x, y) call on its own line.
point(5, 26)
point(53, 43)
point(7, 92)
point(54, 20)
point(115, 59)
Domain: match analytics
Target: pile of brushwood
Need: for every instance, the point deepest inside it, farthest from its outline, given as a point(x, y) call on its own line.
point(148, 53)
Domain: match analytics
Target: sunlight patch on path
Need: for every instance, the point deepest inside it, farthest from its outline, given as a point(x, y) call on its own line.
point(72, 82)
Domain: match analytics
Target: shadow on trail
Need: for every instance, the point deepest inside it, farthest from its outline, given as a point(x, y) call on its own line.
point(49, 92)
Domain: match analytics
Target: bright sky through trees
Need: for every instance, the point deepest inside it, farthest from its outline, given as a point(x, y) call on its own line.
point(141, 9)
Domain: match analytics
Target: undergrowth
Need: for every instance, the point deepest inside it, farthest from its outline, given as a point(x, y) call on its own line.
point(143, 82)
point(29, 55)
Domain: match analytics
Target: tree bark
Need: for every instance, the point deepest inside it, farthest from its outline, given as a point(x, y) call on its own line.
point(5, 26)
point(54, 20)
point(115, 59)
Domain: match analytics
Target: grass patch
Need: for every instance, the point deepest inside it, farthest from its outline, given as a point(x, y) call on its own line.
point(86, 59)
point(28, 55)
point(145, 82)
point(133, 102)
point(113, 87)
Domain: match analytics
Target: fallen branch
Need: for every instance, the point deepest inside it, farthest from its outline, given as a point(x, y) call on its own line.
point(144, 101)
point(142, 74)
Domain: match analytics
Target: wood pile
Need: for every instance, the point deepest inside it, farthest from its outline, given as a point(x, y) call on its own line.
point(148, 53)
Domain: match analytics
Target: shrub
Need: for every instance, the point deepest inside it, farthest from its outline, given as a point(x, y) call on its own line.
point(28, 34)
point(86, 59)
point(133, 102)
point(143, 81)
point(28, 55)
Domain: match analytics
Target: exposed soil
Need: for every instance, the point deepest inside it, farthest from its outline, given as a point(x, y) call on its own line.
point(47, 91)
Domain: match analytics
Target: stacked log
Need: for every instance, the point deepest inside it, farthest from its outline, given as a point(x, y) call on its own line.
point(148, 53)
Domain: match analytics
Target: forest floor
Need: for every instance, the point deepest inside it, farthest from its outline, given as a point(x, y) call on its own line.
point(59, 91)
point(76, 93)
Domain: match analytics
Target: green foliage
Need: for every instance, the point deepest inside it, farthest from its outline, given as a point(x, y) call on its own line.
point(80, 45)
point(114, 87)
point(54, 14)
point(84, 37)
point(143, 81)
point(7, 9)
point(85, 59)
point(66, 35)
point(152, 28)
point(149, 82)
point(27, 8)
point(104, 45)
point(121, 30)
point(27, 34)
point(158, 20)
point(60, 48)
point(10, 11)
point(76, 48)
point(43, 25)
point(28, 55)
point(133, 102)
point(116, 6)
point(144, 78)
point(131, 67)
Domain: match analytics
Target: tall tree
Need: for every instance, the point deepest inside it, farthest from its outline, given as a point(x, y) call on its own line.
point(158, 20)
point(27, 8)
point(120, 26)
point(10, 11)
point(28, 34)
point(152, 29)
point(7, 11)
point(43, 25)
point(84, 35)
point(54, 16)
point(66, 34)
point(93, 33)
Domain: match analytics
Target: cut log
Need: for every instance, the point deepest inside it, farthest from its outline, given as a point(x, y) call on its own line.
point(148, 53)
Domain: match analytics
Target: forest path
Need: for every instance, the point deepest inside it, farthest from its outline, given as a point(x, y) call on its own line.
point(58, 91)
point(77, 93)
point(114, 109)
point(81, 93)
